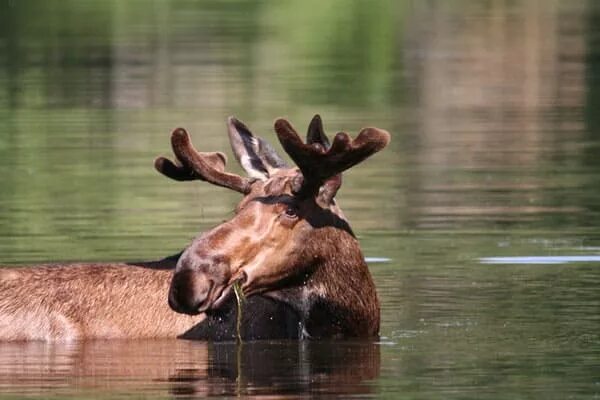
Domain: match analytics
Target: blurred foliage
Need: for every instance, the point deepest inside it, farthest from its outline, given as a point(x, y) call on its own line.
point(343, 52)
point(69, 46)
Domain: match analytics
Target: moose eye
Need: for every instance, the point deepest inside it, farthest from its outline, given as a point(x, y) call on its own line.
point(291, 211)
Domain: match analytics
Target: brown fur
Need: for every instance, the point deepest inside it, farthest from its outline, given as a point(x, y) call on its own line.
point(341, 288)
point(337, 286)
point(70, 302)
point(288, 238)
point(312, 262)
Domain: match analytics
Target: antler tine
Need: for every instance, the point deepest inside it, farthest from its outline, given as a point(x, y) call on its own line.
point(173, 170)
point(317, 164)
point(316, 134)
point(208, 167)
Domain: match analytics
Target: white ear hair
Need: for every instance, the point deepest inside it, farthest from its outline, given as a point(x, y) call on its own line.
point(248, 162)
point(254, 154)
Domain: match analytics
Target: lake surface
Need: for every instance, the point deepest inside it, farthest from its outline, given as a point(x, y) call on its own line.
point(483, 214)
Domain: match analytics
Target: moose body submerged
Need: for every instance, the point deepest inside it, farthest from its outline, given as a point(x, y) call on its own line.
point(67, 302)
point(288, 244)
point(78, 301)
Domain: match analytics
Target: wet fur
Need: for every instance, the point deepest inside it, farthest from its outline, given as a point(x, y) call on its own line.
point(336, 298)
point(262, 318)
point(69, 302)
point(78, 301)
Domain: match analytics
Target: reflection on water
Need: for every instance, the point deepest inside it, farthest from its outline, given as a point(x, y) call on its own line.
point(286, 369)
point(494, 158)
point(111, 367)
point(189, 369)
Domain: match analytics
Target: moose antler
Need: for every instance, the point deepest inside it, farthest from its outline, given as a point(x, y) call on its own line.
point(192, 164)
point(317, 163)
point(316, 134)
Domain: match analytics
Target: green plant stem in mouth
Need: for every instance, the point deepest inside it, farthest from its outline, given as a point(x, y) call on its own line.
point(240, 298)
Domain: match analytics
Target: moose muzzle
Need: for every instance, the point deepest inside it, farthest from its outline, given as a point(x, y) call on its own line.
point(198, 284)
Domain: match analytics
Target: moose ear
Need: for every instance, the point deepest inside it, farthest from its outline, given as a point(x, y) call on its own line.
point(254, 154)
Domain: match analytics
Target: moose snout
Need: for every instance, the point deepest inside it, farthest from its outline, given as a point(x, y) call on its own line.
point(190, 292)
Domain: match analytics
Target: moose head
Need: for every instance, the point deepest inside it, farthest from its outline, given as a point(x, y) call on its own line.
point(288, 238)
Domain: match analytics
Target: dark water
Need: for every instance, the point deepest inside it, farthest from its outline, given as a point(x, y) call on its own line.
point(486, 203)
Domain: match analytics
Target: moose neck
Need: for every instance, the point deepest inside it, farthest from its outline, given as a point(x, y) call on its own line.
point(338, 298)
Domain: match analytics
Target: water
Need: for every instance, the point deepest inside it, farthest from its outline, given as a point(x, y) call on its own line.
point(481, 219)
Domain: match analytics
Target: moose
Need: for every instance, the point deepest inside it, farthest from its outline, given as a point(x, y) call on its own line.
point(288, 246)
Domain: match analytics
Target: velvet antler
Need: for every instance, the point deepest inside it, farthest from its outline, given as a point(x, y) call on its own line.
point(318, 163)
point(316, 134)
point(192, 164)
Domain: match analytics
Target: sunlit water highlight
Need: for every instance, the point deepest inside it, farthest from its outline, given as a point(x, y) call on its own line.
point(539, 260)
point(375, 260)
